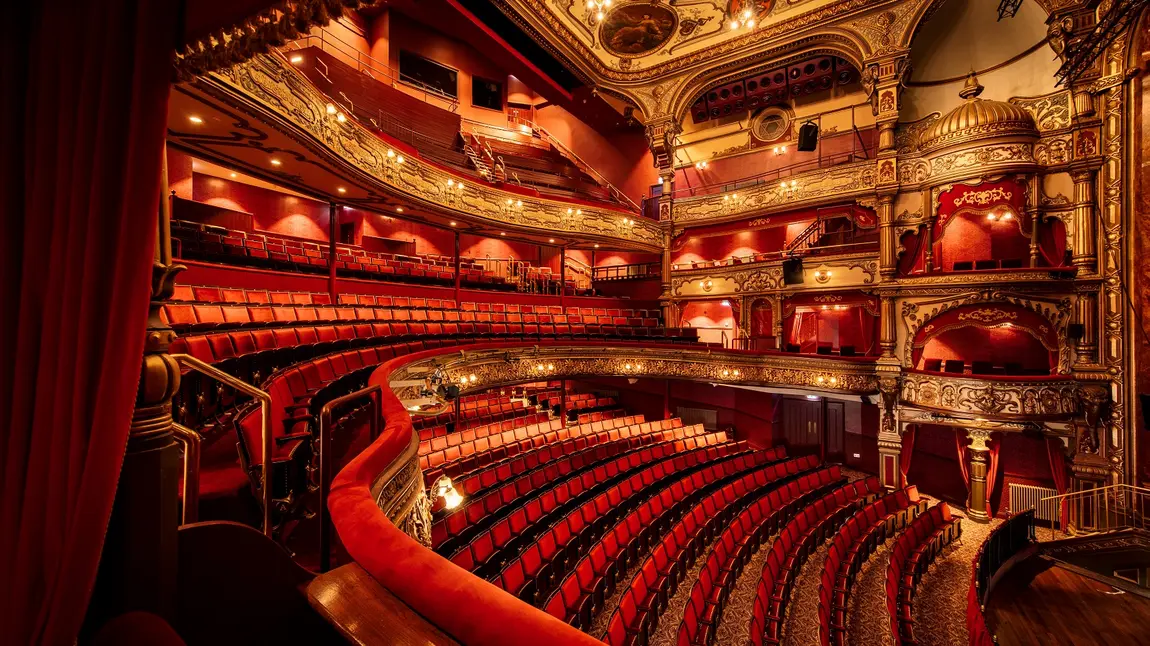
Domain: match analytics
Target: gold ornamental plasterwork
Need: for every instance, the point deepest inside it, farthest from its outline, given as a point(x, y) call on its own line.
point(1051, 112)
point(271, 83)
point(399, 493)
point(768, 276)
point(499, 367)
point(1037, 399)
point(839, 182)
point(1055, 309)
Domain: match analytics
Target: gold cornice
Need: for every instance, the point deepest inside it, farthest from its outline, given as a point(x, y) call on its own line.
point(1019, 399)
point(277, 93)
point(767, 277)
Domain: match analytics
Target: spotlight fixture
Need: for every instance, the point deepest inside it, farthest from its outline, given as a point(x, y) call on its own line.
point(196, 120)
point(296, 59)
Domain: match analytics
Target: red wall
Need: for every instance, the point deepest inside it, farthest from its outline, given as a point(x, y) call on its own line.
point(995, 345)
point(934, 464)
point(1023, 460)
point(742, 243)
point(271, 211)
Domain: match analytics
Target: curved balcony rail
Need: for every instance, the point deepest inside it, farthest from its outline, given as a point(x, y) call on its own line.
point(1095, 511)
point(636, 271)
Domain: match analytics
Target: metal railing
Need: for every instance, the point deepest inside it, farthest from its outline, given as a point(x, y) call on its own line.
point(769, 256)
point(188, 361)
point(373, 395)
point(1105, 509)
point(634, 271)
point(514, 119)
point(191, 441)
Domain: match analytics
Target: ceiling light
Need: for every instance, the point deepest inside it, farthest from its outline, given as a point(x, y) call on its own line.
point(550, 239)
point(276, 162)
point(399, 209)
point(502, 233)
point(452, 223)
point(813, 398)
point(341, 189)
point(233, 174)
point(297, 59)
point(596, 245)
point(196, 120)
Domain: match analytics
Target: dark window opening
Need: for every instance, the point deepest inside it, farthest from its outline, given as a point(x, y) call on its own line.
point(425, 72)
point(486, 93)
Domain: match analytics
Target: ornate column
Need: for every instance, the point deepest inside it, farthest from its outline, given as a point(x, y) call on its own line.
point(888, 328)
point(138, 568)
point(979, 465)
point(889, 439)
point(887, 240)
point(666, 299)
point(777, 320)
point(1084, 244)
point(661, 132)
point(1086, 316)
point(882, 79)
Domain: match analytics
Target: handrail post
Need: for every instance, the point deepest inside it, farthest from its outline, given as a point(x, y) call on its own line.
point(191, 489)
point(374, 395)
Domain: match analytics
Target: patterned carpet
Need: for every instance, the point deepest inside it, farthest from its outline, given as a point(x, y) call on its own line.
point(940, 604)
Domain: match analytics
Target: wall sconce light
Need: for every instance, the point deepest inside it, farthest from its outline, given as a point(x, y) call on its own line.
point(789, 190)
point(745, 19)
point(707, 285)
point(632, 367)
point(725, 303)
point(779, 150)
point(574, 211)
point(598, 6)
point(823, 275)
point(443, 488)
point(296, 59)
point(331, 108)
point(700, 165)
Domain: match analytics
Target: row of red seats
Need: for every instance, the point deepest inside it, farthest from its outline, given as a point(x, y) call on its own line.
point(600, 415)
point(738, 543)
point(566, 478)
point(466, 460)
point(796, 541)
point(543, 564)
point(182, 316)
point(437, 438)
point(490, 551)
point(868, 528)
point(497, 471)
point(478, 414)
point(913, 552)
point(658, 575)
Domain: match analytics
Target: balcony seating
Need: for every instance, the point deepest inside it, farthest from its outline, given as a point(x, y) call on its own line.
point(912, 553)
point(737, 544)
point(796, 541)
point(658, 575)
point(851, 547)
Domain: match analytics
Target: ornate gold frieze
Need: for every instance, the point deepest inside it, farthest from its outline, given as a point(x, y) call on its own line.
point(817, 186)
point(282, 92)
point(846, 272)
point(1016, 397)
point(399, 493)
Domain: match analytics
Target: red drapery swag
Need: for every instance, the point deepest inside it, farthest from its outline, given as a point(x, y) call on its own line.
point(906, 452)
point(960, 442)
point(992, 473)
point(82, 126)
point(1058, 469)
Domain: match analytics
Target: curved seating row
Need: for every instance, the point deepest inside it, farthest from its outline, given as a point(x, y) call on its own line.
point(550, 516)
point(438, 438)
point(600, 415)
point(476, 413)
point(913, 552)
point(581, 437)
point(738, 543)
point(868, 528)
point(538, 571)
point(797, 540)
point(565, 480)
point(637, 532)
point(658, 575)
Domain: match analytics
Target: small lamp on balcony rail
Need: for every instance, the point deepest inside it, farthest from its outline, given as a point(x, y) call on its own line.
point(443, 488)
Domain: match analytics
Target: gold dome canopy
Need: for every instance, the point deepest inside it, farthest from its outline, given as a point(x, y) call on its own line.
point(978, 119)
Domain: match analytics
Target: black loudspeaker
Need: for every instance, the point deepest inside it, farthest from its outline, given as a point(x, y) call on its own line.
point(808, 137)
point(1075, 331)
point(793, 271)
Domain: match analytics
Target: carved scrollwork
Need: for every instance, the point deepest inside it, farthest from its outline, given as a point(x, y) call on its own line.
point(1014, 398)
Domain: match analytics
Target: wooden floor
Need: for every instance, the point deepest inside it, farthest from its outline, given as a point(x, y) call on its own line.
point(1042, 603)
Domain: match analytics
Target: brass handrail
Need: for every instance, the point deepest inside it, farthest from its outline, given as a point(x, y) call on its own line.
point(191, 441)
point(1091, 510)
point(374, 395)
point(231, 381)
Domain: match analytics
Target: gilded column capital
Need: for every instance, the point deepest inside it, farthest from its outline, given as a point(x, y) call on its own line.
point(978, 442)
point(661, 132)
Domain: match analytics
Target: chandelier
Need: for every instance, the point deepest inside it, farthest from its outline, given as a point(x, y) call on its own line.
point(598, 6)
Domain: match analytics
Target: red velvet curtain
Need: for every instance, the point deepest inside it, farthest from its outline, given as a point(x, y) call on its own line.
point(906, 452)
point(82, 125)
point(1059, 470)
point(992, 473)
point(960, 442)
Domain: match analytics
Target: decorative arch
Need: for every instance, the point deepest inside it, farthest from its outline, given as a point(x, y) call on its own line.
point(1038, 312)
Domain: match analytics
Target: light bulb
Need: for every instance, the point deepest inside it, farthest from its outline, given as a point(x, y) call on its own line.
point(452, 499)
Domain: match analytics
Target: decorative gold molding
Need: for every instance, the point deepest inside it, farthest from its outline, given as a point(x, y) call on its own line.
point(282, 93)
point(399, 493)
point(1039, 399)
